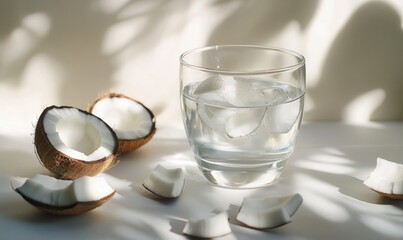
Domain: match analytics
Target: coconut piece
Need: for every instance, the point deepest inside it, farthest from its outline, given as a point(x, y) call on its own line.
point(165, 182)
point(133, 122)
point(72, 143)
point(210, 227)
point(64, 197)
point(386, 179)
point(268, 212)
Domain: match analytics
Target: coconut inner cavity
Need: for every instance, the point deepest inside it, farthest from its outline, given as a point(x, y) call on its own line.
point(78, 134)
point(129, 120)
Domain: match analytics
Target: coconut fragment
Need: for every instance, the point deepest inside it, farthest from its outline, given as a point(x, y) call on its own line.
point(386, 179)
point(73, 143)
point(165, 182)
point(210, 227)
point(268, 212)
point(64, 197)
point(132, 121)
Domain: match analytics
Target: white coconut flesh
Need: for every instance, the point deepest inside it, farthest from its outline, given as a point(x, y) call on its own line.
point(54, 192)
point(165, 181)
point(209, 227)
point(77, 134)
point(387, 177)
point(268, 212)
point(129, 119)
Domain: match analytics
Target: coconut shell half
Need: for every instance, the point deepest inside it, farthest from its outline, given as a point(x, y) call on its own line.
point(64, 164)
point(127, 117)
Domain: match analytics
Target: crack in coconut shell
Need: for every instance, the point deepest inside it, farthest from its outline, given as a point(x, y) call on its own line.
point(75, 209)
point(128, 145)
point(64, 166)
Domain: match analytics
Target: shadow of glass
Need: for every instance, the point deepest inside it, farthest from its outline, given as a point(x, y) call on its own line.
point(365, 56)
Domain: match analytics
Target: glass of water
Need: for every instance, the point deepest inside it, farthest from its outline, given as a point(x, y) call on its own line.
point(242, 107)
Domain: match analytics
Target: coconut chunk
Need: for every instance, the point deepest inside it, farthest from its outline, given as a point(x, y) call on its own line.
point(133, 122)
point(66, 197)
point(386, 178)
point(87, 189)
point(210, 227)
point(73, 143)
point(268, 212)
point(165, 182)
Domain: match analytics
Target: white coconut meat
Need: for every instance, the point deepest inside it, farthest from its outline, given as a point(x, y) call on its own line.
point(209, 227)
point(387, 177)
point(129, 119)
point(165, 181)
point(63, 193)
point(268, 212)
point(77, 134)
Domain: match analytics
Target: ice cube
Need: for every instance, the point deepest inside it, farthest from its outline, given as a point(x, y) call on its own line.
point(275, 95)
point(244, 121)
point(214, 117)
point(212, 84)
point(235, 90)
point(242, 93)
point(283, 111)
point(282, 117)
point(220, 96)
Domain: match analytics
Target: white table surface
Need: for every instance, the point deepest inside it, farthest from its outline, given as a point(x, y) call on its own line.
point(327, 168)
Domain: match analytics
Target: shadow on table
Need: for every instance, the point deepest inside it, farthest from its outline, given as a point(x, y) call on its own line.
point(177, 226)
point(16, 161)
point(134, 166)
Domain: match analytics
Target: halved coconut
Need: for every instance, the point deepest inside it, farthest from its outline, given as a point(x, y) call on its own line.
point(210, 227)
point(165, 182)
point(72, 143)
point(133, 122)
point(268, 212)
point(64, 197)
point(387, 179)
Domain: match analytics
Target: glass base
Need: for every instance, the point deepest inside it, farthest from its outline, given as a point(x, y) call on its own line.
point(241, 176)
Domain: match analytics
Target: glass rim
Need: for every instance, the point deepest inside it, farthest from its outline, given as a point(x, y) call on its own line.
point(299, 57)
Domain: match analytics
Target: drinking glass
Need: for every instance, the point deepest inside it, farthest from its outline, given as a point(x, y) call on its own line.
point(242, 107)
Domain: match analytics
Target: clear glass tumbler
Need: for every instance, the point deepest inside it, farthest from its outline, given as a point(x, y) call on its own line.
point(242, 107)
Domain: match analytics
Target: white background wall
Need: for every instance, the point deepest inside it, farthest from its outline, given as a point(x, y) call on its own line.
point(66, 52)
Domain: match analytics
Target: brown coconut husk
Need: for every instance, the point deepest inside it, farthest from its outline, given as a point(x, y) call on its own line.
point(75, 209)
point(129, 145)
point(389, 195)
point(60, 164)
